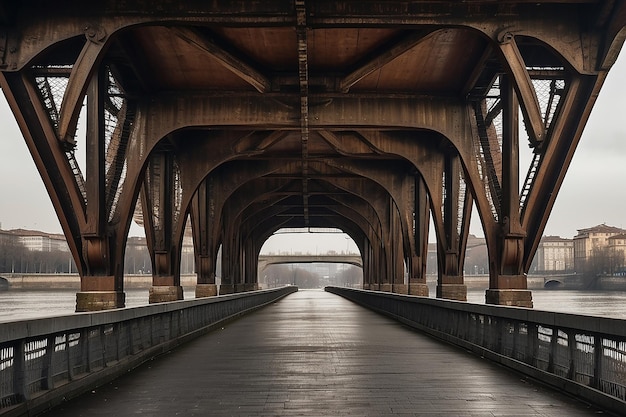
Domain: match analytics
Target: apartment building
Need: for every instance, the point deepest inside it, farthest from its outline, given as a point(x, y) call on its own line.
point(591, 240)
point(554, 255)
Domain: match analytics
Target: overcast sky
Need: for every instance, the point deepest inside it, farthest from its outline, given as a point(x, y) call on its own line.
point(593, 191)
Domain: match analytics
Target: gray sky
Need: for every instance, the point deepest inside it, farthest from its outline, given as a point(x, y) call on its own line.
point(593, 191)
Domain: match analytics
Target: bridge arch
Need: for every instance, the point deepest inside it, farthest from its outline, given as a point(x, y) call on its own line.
point(553, 284)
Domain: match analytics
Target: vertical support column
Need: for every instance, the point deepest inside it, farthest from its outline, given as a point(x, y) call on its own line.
point(450, 283)
point(251, 262)
point(417, 270)
point(239, 261)
point(202, 238)
point(100, 286)
point(383, 275)
point(507, 284)
point(227, 285)
point(166, 271)
point(375, 260)
point(367, 266)
point(396, 249)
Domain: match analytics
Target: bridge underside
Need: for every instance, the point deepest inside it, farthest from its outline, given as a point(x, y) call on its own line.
point(248, 117)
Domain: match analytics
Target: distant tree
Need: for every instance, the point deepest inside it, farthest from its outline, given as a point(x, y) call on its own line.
point(137, 260)
point(11, 254)
point(350, 277)
point(603, 261)
point(280, 275)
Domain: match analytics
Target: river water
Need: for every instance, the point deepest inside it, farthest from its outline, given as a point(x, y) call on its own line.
point(27, 304)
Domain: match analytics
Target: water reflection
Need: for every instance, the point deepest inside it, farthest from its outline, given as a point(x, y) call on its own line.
point(591, 303)
point(29, 304)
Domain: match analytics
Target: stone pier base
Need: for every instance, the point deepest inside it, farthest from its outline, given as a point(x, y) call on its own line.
point(165, 293)
point(206, 290)
point(508, 297)
point(227, 289)
point(401, 288)
point(452, 291)
point(387, 287)
point(99, 300)
point(418, 289)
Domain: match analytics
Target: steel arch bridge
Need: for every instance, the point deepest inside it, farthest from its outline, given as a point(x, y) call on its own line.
point(348, 259)
point(249, 117)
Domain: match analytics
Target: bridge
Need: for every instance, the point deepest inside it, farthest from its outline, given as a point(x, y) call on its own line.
point(350, 259)
point(248, 117)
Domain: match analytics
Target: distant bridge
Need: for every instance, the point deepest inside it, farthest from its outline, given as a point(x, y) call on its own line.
point(265, 260)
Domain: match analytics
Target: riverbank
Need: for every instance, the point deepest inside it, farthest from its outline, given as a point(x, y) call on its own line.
point(72, 281)
point(142, 281)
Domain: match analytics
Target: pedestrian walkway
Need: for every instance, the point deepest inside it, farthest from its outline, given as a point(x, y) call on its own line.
point(317, 354)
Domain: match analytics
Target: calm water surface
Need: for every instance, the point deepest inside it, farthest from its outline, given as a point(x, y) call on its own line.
point(19, 304)
point(28, 304)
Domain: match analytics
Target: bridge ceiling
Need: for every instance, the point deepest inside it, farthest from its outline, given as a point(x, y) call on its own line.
point(379, 60)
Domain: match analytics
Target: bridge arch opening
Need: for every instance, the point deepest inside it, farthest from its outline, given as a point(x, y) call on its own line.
point(553, 284)
point(310, 258)
point(309, 240)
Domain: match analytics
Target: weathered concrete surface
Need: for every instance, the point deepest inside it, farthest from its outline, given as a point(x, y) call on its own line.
point(316, 354)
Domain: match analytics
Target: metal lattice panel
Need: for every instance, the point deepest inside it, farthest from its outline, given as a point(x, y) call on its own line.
point(118, 121)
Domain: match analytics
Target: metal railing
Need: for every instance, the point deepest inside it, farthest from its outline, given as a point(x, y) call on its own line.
point(45, 361)
point(582, 355)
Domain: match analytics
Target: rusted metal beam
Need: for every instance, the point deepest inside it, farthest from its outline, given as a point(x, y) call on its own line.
point(387, 55)
point(95, 156)
point(236, 65)
point(524, 87)
point(303, 76)
point(83, 69)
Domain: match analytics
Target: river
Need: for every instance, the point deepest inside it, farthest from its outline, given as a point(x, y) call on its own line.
point(27, 304)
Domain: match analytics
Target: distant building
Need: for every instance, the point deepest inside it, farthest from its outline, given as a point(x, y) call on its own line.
point(592, 239)
point(7, 237)
point(37, 241)
point(554, 255)
point(617, 251)
point(476, 260)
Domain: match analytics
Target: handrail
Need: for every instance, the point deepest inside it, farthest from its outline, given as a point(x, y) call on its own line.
point(582, 355)
point(45, 361)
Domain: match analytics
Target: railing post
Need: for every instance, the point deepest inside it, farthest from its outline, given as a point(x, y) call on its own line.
point(103, 346)
point(131, 342)
point(516, 340)
point(571, 344)
point(117, 333)
point(497, 338)
point(70, 368)
point(48, 363)
point(84, 335)
point(532, 347)
point(20, 384)
point(597, 361)
point(553, 346)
